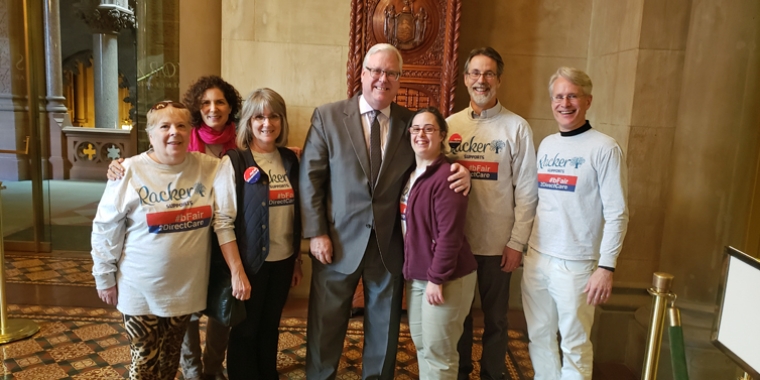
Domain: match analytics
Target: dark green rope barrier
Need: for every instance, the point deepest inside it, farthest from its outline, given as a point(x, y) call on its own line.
point(677, 349)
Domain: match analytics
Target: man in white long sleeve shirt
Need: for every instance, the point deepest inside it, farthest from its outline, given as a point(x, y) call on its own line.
point(496, 145)
point(581, 221)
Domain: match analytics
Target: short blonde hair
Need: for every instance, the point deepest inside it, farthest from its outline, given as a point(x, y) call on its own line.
point(575, 76)
point(174, 108)
point(256, 103)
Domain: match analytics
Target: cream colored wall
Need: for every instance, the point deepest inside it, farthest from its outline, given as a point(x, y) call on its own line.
point(200, 33)
point(297, 48)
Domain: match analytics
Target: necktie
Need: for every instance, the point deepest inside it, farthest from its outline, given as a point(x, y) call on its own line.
point(375, 154)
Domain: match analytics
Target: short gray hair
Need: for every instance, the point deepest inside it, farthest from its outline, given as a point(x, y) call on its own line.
point(383, 47)
point(575, 76)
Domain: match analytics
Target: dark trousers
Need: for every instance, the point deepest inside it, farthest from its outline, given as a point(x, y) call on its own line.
point(493, 286)
point(330, 299)
point(154, 344)
point(252, 351)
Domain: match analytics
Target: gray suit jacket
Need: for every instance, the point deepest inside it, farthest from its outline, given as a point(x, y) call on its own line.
point(335, 188)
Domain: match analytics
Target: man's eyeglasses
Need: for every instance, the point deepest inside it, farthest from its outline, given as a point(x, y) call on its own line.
point(475, 75)
point(429, 130)
point(569, 97)
point(166, 103)
point(377, 73)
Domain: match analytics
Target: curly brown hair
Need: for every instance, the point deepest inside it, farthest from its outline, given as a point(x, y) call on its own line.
point(194, 96)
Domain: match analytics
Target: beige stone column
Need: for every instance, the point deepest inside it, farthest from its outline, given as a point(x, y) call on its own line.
point(715, 146)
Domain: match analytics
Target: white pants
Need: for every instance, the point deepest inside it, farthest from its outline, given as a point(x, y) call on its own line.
point(553, 299)
point(436, 329)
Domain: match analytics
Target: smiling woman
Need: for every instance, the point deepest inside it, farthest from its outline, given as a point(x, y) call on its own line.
point(213, 105)
point(168, 132)
point(440, 277)
point(154, 218)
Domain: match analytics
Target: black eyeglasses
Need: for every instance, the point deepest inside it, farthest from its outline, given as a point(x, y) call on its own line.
point(377, 73)
point(166, 103)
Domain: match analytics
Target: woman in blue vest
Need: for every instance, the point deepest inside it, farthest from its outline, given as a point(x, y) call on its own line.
point(268, 230)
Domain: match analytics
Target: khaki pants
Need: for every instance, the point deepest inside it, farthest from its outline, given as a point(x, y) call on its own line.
point(436, 329)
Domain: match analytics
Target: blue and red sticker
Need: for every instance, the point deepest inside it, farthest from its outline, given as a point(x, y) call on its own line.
point(252, 174)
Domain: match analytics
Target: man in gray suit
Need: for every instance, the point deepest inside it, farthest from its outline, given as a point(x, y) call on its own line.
point(353, 168)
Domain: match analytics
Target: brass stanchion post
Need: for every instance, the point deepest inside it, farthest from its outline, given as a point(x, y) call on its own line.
point(10, 329)
point(661, 291)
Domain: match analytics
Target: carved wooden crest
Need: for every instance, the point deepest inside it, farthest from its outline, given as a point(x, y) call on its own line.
point(406, 29)
point(427, 34)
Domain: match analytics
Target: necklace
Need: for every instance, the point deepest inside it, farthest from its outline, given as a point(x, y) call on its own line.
point(215, 153)
point(268, 157)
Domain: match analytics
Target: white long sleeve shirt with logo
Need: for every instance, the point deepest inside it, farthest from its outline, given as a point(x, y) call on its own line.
point(151, 236)
point(582, 190)
point(497, 149)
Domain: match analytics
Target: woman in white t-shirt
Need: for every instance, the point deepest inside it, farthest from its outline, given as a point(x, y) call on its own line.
point(151, 236)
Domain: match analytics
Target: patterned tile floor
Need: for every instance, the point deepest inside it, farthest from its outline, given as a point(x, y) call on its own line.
point(89, 343)
point(26, 269)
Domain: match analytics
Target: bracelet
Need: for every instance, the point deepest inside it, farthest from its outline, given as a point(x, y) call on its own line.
point(299, 260)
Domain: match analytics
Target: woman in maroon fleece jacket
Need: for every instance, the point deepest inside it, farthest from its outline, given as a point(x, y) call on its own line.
point(439, 267)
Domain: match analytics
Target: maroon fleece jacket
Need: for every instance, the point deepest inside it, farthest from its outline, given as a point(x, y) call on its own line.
point(435, 246)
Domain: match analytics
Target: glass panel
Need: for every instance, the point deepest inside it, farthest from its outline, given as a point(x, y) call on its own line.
point(87, 143)
point(75, 144)
point(157, 58)
point(25, 214)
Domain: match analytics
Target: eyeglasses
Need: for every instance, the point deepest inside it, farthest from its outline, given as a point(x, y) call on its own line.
point(475, 75)
point(166, 103)
point(570, 97)
point(377, 73)
point(429, 130)
point(272, 118)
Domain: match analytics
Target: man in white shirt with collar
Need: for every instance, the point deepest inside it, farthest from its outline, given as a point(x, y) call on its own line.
point(496, 145)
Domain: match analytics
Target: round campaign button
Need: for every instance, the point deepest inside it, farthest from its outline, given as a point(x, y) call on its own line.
point(252, 174)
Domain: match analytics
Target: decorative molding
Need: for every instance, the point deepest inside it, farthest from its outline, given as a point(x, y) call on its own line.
point(355, 48)
point(429, 50)
point(105, 18)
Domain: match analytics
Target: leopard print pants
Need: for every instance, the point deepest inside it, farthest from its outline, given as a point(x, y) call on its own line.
point(154, 343)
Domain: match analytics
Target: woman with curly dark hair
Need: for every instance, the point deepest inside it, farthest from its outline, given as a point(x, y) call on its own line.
point(214, 105)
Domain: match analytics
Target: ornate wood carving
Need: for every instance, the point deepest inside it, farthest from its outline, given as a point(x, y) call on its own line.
point(427, 34)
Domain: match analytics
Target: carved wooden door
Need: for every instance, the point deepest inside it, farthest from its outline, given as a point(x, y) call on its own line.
point(427, 34)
